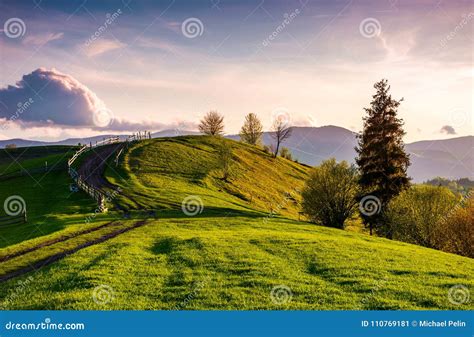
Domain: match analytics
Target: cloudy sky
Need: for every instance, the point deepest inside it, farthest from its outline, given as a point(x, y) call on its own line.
point(86, 67)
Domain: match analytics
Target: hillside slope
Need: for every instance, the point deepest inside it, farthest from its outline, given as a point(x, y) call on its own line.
point(161, 173)
point(231, 253)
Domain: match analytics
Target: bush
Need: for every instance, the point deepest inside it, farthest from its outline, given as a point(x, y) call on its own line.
point(267, 149)
point(456, 233)
point(417, 214)
point(329, 196)
point(285, 153)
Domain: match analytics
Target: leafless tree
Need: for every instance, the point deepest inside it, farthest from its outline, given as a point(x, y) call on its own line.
point(280, 131)
point(212, 124)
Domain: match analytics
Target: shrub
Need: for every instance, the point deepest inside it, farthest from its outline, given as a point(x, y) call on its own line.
point(416, 215)
point(329, 196)
point(456, 233)
point(285, 153)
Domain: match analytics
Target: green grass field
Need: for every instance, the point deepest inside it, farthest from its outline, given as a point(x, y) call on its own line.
point(241, 242)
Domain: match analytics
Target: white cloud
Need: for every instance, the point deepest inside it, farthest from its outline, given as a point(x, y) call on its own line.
point(101, 46)
point(42, 39)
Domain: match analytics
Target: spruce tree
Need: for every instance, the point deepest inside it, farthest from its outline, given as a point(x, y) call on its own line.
point(382, 159)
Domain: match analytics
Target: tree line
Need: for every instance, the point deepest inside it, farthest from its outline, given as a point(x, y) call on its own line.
point(251, 132)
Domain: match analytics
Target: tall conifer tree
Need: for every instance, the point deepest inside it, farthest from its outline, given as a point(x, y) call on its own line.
point(382, 159)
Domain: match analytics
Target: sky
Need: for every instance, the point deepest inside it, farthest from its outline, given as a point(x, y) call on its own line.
point(82, 67)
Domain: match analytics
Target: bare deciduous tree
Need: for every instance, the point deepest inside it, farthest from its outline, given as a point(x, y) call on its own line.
point(280, 131)
point(212, 124)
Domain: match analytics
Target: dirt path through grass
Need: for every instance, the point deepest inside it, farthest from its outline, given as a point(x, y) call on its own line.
point(56, 257)
point(54, 241)
point(93, 167)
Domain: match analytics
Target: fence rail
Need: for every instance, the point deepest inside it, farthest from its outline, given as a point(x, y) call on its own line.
point(95, 193)
point(13, 219)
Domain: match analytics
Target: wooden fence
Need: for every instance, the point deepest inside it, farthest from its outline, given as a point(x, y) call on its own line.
point(95, 193)
point(13, 219)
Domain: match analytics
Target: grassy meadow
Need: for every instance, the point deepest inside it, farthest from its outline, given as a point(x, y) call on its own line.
point(236, 241)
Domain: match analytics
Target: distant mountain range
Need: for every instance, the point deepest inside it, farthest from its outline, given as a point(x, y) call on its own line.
point(449, 158)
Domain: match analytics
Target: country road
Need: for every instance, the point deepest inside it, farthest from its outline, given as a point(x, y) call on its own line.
point(93, 167)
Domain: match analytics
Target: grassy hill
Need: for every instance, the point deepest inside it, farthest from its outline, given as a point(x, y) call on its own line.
point(159, 174)
point(242, 242)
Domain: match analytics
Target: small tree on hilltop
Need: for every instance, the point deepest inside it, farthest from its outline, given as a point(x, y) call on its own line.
point(212, 124)
point(280, 131)
point(329, 196)
point(382, 159)
point(251, 131)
